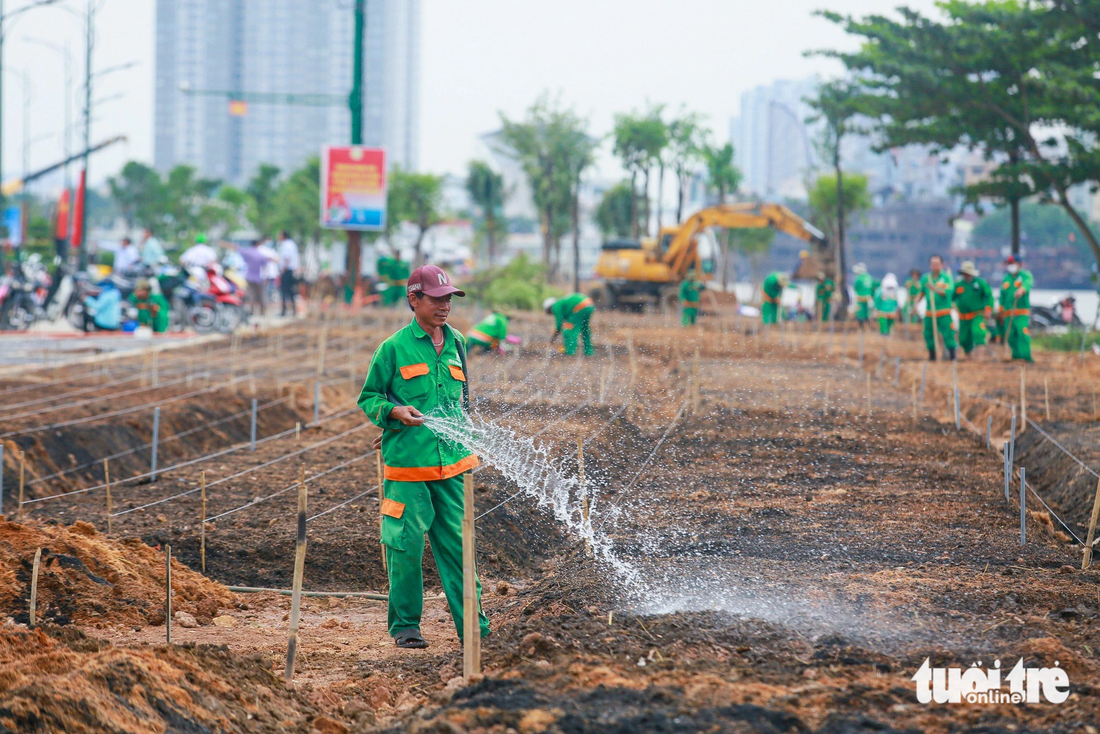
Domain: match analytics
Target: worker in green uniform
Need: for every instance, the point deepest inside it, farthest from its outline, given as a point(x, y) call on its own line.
point(489, 333)
point(572, 317)
point(1015, 301)
point(936, 291)
point(772, 292)
point(823, 295)
point(912, 291)
point(384, 266)
point(399, 276)
point(973, 300)
point(864, 287)
point(886, 303)
point(153, 309)
point(689, 298)
point(421, 370)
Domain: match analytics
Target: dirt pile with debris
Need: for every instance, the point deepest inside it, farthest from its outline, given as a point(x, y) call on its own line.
point(87, 578)
point(59, 680)
point(1062, 482)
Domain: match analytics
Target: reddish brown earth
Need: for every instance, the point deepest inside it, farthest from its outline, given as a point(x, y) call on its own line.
point(801, 560)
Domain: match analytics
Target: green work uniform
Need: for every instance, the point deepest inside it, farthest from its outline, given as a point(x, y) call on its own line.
point(423, 482)
point(864, 286)
point(489, 332)
point(1017, 313)
point(153, 311)
point(887, 310)
point(772, 290)
point(941, 312)
point(912, 289)
point(689, 300)
point(572, 315)
point(824, 295)
point(974, 302)
point(384, 265)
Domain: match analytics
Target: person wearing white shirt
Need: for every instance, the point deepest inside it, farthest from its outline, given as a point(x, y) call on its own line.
point(289, 263)
point(126, 257)
point(152, 253)
point(199, 255)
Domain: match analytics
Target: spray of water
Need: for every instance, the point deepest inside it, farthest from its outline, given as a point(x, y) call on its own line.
point(542, 477)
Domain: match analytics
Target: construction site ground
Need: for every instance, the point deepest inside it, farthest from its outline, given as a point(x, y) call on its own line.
point(803, 538)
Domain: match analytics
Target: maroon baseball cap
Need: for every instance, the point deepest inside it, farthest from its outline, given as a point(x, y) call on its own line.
point(431, 281)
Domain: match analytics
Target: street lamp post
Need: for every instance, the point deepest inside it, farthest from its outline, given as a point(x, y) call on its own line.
point(355, 103)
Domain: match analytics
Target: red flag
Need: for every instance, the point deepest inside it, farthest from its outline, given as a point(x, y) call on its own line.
point(61, 231)
point(78, 214)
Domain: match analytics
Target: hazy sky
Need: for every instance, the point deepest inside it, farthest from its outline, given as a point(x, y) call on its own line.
point(479, 58)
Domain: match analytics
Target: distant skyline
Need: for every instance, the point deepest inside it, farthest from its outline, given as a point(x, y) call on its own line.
point(480, 58)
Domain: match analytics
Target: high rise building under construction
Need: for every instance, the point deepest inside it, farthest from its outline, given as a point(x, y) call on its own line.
point(245, 82)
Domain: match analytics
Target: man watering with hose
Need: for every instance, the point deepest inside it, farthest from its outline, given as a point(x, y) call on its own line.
point(421, 369)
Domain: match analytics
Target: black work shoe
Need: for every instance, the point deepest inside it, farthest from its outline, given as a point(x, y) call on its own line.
point(931, 355)
point(951, 353)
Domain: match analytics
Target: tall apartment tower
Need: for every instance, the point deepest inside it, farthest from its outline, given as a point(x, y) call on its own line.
point(208, 48)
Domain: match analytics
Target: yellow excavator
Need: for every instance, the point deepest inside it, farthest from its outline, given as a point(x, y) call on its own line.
point(634, 272)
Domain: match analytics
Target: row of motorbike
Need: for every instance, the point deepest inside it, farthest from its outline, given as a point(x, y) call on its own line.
point(203, 299)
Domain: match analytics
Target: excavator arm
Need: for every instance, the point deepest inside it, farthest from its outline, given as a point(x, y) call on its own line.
point(683, 253)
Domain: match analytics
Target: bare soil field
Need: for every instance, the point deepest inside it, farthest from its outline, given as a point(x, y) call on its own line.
point(783, 540)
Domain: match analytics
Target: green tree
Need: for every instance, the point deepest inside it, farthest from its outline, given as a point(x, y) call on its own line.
point(486, 189)
point(295, 206)
point(139, 193)
point(518, 285)
point(553, 149)
point(686, 146)
point(261, 190)
point(723, 177)
point(824, 204)
point(188, 205)
point(1019, 76)
point(838, 103)
point(613, 213)
point(639, 141)
point(415, 198)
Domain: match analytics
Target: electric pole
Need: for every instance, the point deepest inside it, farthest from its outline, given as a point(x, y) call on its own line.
point(355, 102)
point(82, 252)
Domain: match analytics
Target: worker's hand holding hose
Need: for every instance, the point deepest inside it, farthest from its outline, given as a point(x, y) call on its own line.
point(407, 415)
point(376, 444)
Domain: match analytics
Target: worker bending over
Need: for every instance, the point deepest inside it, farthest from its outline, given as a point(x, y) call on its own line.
point(1016, 307)
point(418, 370)
point(936, 290)
point(572, 316)
point(489, 333)
point(153, 309)
point(689, 298)
point(974, 301)
point(772, 292)
point(886, 303)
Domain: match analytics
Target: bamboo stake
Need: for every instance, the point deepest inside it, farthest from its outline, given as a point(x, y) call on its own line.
point(202, 528)
point(695, 383)
point(955, 393)
point(34, 586)
point(299, 569)
point(868, 394)
point(1023, 401)
point(381, 499)
point(914, 402)
point(1046, 396)
point(471, 630)
point(584, 491)
point(168, 593)
point(107, 483)
point(322, 344)
point(1087, 560)
point(297, 430)
point(22, 472)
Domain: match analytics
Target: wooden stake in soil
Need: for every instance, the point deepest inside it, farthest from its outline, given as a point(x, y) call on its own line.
point(296, 589)
point(868, 394)
point(381, 499)
point(322, 344)
point(695, 383)
point(955, 392)
point(584, 491)
point(1046, 396)
point(168, 594)
point(22, 473)
point(1023, 506)
point(202, 527)
point(297, 430)
point(107, 484)
point(914, 402)
point(1023, 401)
point(34, 586)
point(471, 630)
point(897, 371)
point(1087, 560)
point(923, 377)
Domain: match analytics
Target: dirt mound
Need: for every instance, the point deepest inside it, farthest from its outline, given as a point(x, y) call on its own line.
point(74, 683)
point(88, 578)
point(1063, 483)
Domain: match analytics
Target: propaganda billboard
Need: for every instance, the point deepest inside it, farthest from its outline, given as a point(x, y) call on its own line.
point(353, 188)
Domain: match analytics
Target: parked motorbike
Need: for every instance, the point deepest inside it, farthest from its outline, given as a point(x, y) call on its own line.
point(229, 302)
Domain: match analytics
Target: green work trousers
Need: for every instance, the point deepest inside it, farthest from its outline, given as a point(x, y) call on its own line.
point(688, 315)
point(393, 295)
point(1019, 337)
point(826, 309)
point(885, 323)
point(770, 312)
point(435, 508)
point(945, 328)
point(579, 326)
point(472, 344)
point(972, 333)
point(863, 310)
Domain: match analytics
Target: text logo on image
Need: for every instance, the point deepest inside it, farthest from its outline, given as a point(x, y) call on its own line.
point(978, 685)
